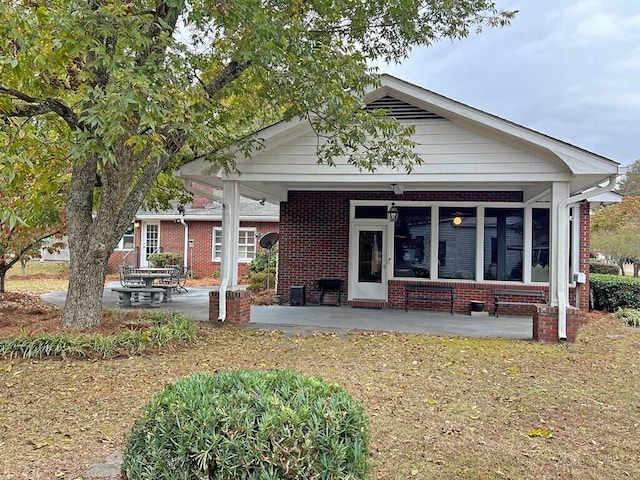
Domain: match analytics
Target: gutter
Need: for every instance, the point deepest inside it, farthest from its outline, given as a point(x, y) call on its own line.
point(563, 281)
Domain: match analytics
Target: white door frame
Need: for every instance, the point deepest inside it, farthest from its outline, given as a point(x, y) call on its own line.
point(143, 241)
point(368, 290)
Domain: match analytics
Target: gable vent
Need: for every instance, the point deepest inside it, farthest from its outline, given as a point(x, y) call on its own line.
point(401, 110)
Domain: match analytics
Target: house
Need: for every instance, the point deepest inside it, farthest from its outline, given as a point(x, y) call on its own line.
point(495, 205)
point(195, 232)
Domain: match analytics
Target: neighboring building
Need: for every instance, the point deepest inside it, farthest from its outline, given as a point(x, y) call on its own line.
point(195, 232)
point(494, 205)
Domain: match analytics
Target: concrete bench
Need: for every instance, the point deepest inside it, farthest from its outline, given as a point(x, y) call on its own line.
point(125, 294)
point(504, 297)
point(167, 289)
point(428, 293)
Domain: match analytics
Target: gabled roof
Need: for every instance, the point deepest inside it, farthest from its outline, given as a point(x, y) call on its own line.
point(249, 210)
point(463, 148)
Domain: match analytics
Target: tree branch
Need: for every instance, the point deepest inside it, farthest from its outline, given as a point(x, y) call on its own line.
point(40, 106)
point(228, 74)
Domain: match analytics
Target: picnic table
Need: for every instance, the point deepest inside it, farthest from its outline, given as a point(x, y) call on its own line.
point(148, 282)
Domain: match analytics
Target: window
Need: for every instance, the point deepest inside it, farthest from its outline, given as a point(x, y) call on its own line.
point(246, 244)
point(127, 240)
point(412, 242)
point(503, 240)
point(457, 243)
point(540, 245)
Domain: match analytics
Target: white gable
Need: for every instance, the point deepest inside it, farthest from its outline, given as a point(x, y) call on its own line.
point(462, 148)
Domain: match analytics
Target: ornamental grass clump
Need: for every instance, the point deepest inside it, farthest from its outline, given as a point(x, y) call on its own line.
point(631, 316)
point(249, 425)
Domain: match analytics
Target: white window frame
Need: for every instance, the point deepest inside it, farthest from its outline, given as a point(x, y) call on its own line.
point(120, 245)
point(480, 213)
point(250, 243)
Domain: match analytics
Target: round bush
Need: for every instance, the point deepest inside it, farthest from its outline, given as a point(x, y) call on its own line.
point(249, 425)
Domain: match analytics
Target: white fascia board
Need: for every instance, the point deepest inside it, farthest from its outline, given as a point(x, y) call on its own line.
point(399, 178)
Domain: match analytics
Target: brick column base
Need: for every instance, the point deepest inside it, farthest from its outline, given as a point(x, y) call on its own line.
point(545, 323)
point(238, 306)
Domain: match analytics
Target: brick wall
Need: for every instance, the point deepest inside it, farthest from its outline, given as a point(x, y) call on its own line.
point(200, 256)
point(314, 236)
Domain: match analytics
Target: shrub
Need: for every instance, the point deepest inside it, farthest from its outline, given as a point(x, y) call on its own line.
point(248, 424)
point(259, 263)
point(612, 291)
point(604, 268)
point(631, 316)
point(258, 281)
point(165, 259)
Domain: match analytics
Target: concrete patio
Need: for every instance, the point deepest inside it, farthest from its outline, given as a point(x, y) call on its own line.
point(311, 318)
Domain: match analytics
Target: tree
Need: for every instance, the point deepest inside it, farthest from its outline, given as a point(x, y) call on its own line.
point(143, 85)
point(630, 183)
point(615, 231)
point(32, 192)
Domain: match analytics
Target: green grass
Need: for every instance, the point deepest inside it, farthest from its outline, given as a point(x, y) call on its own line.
point(42, 277)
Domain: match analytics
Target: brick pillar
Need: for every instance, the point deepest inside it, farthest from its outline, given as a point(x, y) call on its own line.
point(238, 306)
point(582, 294)
point(545, 323)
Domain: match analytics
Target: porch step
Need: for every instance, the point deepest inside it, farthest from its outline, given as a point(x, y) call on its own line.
point(364, 303)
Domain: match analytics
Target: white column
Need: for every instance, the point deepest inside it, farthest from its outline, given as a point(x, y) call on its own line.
point(559, 260)
point(230, 232)
point(559, 265)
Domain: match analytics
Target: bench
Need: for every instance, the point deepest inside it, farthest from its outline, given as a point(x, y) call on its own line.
point(125, 293)
point(503, 297)
point(429, 293)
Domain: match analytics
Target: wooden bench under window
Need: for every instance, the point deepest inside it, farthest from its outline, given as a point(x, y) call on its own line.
point(428, 293)
point(505, 297)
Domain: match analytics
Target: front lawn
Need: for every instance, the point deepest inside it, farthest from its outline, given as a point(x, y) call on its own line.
point(439, 407)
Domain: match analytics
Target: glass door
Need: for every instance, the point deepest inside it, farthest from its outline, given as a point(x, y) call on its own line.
point(368, 263)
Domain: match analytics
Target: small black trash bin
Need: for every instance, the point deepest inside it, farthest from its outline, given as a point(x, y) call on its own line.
point(296, 296)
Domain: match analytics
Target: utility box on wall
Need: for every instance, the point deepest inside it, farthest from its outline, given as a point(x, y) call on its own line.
point(296, 296)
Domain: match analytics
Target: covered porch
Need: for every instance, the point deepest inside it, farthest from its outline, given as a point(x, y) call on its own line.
point(494, 205)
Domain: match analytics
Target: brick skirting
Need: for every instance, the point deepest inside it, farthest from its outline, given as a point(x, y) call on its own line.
point(545, 323)
point(238, 306)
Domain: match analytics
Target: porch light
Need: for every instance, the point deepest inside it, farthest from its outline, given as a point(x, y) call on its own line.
point(393, 212)
point(457, 221)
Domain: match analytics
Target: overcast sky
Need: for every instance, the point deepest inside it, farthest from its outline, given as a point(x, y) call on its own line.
point(566, 68)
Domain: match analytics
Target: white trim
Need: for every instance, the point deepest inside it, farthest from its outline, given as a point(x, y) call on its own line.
point(143, 238)
point(435, 206)
point(120, 246)
point(251, 230)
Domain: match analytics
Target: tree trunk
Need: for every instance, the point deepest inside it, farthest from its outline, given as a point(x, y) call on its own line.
point(83, 306)
point(3, 274)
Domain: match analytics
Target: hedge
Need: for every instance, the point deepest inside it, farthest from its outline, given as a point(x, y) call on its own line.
point(604, 268)
point(612, 291)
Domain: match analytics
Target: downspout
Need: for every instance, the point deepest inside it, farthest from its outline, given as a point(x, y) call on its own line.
point(186, 242)
point(563, 252)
